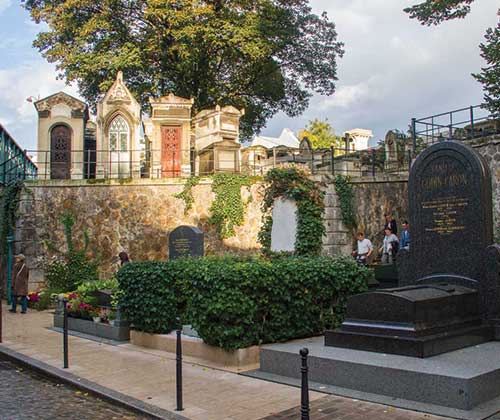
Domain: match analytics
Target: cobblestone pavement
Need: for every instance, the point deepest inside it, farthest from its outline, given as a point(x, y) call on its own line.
point(25, 395)
point(338, 408)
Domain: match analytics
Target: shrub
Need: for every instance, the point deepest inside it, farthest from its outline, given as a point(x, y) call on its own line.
point(151, 299)
point(237, 302)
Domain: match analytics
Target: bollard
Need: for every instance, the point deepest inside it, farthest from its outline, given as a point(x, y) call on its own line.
point(178, 370)
point(304, 397)
point(65, 334)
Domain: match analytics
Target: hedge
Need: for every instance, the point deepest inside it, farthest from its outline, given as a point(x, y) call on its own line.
point(238, 302)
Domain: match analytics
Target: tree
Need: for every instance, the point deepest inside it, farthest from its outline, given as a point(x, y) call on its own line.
point(321, 135)
point(489, 76)
point(264, 55)
point(433, 12)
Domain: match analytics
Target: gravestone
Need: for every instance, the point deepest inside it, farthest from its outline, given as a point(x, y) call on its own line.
point(185, 241)
point(450, 213)
point(451, 224)
point(284, 229)
point(450, 276)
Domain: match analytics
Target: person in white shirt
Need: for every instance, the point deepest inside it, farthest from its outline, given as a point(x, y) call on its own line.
point(364, 250)
point(390, 247)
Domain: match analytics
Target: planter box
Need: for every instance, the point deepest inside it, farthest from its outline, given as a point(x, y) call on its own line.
point(121, 333)
point(242, 359)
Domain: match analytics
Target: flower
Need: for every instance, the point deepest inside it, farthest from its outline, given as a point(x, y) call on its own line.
point(34, 296)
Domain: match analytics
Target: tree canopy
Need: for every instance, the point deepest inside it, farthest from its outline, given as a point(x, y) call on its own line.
point(433, 12)
point(264, 55)
point(321, 134)
point(490, 75)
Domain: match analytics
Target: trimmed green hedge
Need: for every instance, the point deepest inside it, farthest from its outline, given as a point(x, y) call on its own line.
point(238, 302)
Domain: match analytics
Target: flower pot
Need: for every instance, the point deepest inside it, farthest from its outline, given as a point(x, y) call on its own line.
point(96, 319)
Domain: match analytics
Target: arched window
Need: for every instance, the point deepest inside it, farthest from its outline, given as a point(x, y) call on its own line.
point(119, 134)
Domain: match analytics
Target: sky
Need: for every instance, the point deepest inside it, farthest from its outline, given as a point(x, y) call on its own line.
point(393, 68)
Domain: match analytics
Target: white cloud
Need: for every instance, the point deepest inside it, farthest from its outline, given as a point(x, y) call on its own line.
point(394, 68)
point(5, 4)
point(37, 79)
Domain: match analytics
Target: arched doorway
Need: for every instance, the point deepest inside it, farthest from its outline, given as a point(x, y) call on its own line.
point(119, 153)
point(60, 152)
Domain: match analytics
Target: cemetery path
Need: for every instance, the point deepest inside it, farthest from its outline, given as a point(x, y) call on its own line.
point(209, 394)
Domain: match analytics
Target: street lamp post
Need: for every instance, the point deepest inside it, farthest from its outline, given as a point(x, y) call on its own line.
point(10, 241)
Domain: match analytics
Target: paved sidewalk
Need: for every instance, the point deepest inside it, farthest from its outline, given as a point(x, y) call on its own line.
point(209, 394)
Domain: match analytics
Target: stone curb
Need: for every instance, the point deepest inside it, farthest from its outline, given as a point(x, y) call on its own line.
point(97, 390)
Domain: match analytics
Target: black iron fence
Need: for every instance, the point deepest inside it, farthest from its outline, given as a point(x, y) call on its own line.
point(154, 164)
point(460, 125)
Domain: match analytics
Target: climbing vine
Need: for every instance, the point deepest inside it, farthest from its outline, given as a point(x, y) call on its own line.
point(294, 184)
point(228, 210)
point(345, 194)
point(9, 202)
point(186, 194)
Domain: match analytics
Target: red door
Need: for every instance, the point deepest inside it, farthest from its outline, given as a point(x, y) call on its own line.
point(170, 151)
point(60, 152)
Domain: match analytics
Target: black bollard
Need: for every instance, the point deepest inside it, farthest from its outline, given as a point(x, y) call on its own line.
point(65, 335)
point(178, 358)
point(304, 397)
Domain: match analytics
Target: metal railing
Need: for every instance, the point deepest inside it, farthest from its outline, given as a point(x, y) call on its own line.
point(154, 164)
point(461, 124)
point(15, 162)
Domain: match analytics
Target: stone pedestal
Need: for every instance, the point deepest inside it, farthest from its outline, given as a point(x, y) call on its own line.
point(418, 321)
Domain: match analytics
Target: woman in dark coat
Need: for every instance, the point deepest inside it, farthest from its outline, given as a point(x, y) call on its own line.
point(20, 278)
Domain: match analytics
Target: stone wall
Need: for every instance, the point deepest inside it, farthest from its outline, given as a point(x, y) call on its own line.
point(372, 200)
point(489, 148)
point(135, 217)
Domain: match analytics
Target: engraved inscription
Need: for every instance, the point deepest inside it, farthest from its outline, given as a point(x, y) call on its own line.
point(447, 215)
point(182, 246)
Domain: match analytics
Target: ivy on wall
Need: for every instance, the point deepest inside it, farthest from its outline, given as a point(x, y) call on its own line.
point(345, 195)
point(9, 201)
point(294, 184)
point(186, 194)
point(228, 210)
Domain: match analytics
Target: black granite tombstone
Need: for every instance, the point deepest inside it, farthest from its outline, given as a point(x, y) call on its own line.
point(450, 275)
point(185, 241)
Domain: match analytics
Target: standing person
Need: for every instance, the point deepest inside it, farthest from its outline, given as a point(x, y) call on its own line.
point(124, 259)
point(364, 249)
point(390, 223)
point(390, 247)
point(405, 236)
point(20, 278)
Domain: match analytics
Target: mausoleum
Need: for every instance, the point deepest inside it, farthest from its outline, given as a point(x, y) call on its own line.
point(123, 144)
point(61, 127)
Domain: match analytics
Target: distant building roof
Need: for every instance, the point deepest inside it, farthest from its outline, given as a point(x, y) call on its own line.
point(287, 138)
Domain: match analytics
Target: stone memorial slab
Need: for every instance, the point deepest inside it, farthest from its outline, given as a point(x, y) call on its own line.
point(284, 230)
point(186, 241)
point(450, 213)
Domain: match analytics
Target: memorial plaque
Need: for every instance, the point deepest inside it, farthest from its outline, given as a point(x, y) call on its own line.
point(185, 241)
point(450, 213)
point(284, 229)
